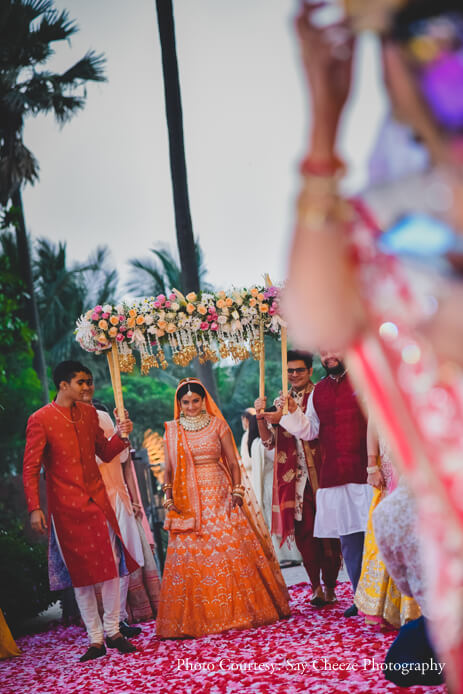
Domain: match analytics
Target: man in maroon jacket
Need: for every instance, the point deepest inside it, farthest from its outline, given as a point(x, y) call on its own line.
point(333, 415)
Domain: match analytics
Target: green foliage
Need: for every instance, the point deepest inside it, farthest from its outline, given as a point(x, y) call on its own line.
point(24, 587)
point(149, 401)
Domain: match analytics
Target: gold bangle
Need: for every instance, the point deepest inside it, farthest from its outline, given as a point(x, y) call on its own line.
point(237, 493)
point(373, 468)
point(166, 486)
point(168, 503)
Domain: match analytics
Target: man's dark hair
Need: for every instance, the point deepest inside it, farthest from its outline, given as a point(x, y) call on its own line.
point(98, 405)
point(66, 370)
point(296, 355)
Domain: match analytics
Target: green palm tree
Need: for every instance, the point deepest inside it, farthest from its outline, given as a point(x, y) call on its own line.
point(64, 292)
point(29, 30)
point(150, 277)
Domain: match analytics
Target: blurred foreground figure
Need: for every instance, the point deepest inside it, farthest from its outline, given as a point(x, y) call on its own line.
point(400, 322)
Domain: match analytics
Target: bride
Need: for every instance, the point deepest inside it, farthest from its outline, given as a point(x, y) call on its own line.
point(221, 571)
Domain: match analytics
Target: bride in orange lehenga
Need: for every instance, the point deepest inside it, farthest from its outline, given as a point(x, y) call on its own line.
point(221, 571)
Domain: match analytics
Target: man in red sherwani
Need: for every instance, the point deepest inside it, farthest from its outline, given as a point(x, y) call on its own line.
point(85, 545)
point(295, 485)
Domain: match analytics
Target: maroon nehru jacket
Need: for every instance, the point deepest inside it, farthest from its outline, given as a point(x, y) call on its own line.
point(343, 433)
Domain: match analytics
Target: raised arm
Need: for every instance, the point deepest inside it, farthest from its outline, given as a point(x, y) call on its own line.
point(303, 425)
point(228, 451)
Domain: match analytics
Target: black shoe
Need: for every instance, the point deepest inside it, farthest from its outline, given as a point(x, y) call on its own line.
point(317, 601)
point(351, 611)
point(93, 653)
point(128, 631)
point(122, 645)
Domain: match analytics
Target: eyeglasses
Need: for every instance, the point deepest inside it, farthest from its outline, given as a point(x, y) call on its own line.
point(299, 370)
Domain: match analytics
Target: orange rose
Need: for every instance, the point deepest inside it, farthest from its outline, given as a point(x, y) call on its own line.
point(112, 332)
point(102, 338)
point(229, 302)
point(131, 322)
point(103, 325)
point(160, 333)
point(254, 291)
point(263, 308)
point(140, 320)
point(190, 308)
point(162, 325)
point(222, 295)
point(202, 309)
point(114, 320)
point(132, 313)
point(220, 303)
point(252, 302)
point(171, 327)
point(260, 297)
point(191, 297)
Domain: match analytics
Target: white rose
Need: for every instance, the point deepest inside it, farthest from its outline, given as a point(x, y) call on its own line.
point(222, 319)
point(238, 301)
point(107, 308)
point(148, 319)
point(152, 330)
point(175, 306)
point(119, 308)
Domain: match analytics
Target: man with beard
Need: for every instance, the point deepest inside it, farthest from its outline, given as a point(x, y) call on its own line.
point(296, 479)
point(333, 415)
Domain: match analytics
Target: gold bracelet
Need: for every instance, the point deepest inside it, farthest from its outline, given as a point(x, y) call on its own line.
point(168, 503)
point(373, 468)
point(166, 486)
point(237, 493)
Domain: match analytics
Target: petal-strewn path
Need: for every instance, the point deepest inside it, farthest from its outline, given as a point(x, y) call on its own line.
point(309, 652)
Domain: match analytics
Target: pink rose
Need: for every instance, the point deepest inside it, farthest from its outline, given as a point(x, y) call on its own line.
point(161, 298)
point(105, 315)
point(272, 310)
point(157, 304)
point(95, 316)
point(121, 318)
point(167, 304)
point(122, 329)
point(211, 309)
point(214, 326)
point(210, 319)
point(130, 334)
point(98, 309)
point(204, 326)
point(172, 297)
point(119, 337)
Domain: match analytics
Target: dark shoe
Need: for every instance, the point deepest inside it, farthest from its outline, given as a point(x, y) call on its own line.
point(122, 645)
point(128, 631)
point(317, 601)
point(351, 611)
point(330, 597)
point(93, 653)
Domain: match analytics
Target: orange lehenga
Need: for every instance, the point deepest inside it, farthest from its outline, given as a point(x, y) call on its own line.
point(221, 571)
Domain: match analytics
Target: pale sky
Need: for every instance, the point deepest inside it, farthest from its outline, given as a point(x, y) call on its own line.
point(105, 176)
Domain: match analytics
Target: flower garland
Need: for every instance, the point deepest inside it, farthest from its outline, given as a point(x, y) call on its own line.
point(207, 325)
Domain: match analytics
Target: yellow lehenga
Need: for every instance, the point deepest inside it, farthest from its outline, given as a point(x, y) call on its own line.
point(377, 596)
point(220, 572)
point(8, 647)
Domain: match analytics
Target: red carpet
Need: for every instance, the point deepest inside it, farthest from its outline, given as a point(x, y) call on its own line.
point(296, 655)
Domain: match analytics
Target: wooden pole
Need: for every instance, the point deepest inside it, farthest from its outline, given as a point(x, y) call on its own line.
point(261, 361)
point(284, 366)
point(115, 372)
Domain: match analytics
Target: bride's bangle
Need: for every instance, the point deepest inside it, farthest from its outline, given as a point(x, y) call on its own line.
point(168, 503)
point(372, 468)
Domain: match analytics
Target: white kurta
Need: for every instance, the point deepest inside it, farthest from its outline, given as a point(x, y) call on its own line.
point(118, 494)
point(262, 483)
point(341, 510)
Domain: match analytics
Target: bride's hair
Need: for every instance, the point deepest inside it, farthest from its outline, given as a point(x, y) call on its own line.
point(192, 388)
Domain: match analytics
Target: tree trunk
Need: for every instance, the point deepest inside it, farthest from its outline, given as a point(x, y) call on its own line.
point(174, 116)
point(32, 313)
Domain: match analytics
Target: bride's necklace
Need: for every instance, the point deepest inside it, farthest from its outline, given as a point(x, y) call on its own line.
point(72, 421)
point(195, 423)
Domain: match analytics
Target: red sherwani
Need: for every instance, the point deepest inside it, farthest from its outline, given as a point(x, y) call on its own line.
point(77, 501)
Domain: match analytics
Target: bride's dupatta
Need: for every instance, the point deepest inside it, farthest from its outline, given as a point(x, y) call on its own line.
point(185, 492)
